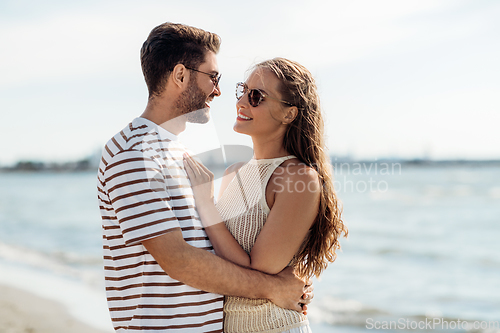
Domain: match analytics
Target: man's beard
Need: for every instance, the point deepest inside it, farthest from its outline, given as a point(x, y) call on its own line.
point(191, 104)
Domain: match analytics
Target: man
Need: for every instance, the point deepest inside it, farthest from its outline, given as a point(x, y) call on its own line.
point(160, 270)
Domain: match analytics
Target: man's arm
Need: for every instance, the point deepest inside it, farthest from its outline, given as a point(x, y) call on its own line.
point(203, 270)
point(135, 186)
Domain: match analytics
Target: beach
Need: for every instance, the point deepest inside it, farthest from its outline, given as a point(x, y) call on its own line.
point(423, 245)
point(24, 312)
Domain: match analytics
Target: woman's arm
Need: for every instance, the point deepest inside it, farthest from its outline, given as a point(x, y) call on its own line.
point(294, 210)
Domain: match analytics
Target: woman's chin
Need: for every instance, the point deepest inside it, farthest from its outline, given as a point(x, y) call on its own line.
point(238, 129)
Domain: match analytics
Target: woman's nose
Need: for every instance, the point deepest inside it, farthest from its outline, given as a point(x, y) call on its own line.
point(242, 102)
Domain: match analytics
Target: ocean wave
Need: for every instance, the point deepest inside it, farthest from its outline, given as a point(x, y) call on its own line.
point(495, 192)
point(414, 254)
point(338, 312)
point(88, 269)
point(474, 260)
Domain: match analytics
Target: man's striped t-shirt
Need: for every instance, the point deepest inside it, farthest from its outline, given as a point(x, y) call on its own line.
point(144, 192)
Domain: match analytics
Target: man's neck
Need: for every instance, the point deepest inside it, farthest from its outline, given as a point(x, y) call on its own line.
point(164, 114)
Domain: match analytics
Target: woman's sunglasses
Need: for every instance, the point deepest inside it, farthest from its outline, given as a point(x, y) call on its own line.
point(255, 96)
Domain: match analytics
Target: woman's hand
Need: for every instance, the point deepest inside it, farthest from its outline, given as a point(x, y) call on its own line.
point(202, 180)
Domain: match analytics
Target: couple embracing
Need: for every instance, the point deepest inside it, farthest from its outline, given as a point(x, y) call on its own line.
point(170, 250)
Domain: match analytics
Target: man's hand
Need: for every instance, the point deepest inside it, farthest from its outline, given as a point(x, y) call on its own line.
point(307, 297)
point(292, 293)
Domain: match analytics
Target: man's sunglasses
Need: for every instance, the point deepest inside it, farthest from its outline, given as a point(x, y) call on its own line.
point(255, 96)
point(215, 77)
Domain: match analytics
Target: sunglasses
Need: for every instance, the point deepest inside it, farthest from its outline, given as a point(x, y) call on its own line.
point(255, 96)
point(215, 77)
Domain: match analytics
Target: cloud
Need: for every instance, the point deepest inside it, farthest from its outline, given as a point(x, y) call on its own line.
point(326, 33)
point(364, 54)
point(104, 38)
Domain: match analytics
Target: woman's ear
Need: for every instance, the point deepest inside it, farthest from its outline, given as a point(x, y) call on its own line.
point(290, 114)
point(179, 76)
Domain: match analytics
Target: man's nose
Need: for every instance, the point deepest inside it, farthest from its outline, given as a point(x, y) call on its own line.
point(217, 91)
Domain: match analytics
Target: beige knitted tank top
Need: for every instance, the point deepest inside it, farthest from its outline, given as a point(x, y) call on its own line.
point(244, 210)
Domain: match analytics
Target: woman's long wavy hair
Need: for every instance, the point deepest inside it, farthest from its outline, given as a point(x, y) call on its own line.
point(304, 138)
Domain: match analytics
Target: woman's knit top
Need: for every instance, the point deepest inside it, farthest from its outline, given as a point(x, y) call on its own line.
point(244, 210)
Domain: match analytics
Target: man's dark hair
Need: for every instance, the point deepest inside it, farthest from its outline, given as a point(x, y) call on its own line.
point(170, 44)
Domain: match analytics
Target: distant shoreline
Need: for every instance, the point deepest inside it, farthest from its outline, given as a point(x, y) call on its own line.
point(423, 162)
point(88, 166)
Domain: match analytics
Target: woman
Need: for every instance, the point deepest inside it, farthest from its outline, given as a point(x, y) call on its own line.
point(280, 208)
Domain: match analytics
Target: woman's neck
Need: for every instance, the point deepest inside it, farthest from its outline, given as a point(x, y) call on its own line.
point(268, 148)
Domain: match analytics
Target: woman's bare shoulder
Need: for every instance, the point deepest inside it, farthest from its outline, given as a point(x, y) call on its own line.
point(296, 171)
point(293, 180)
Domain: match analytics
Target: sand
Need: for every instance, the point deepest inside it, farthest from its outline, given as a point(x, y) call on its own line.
point(23, 312)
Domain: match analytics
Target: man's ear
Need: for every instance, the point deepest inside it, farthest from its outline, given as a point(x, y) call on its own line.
point(180, 76)
point(290, 114)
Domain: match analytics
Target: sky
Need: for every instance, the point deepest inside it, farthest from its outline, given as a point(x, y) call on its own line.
point(408, 79)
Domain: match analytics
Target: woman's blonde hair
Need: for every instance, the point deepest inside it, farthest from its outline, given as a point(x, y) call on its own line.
point(304, 138)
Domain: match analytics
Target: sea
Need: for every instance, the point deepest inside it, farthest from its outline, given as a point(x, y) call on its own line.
point(422, 254)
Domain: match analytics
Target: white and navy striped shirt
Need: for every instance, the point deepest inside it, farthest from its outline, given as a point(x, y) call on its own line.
point(144, 192)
